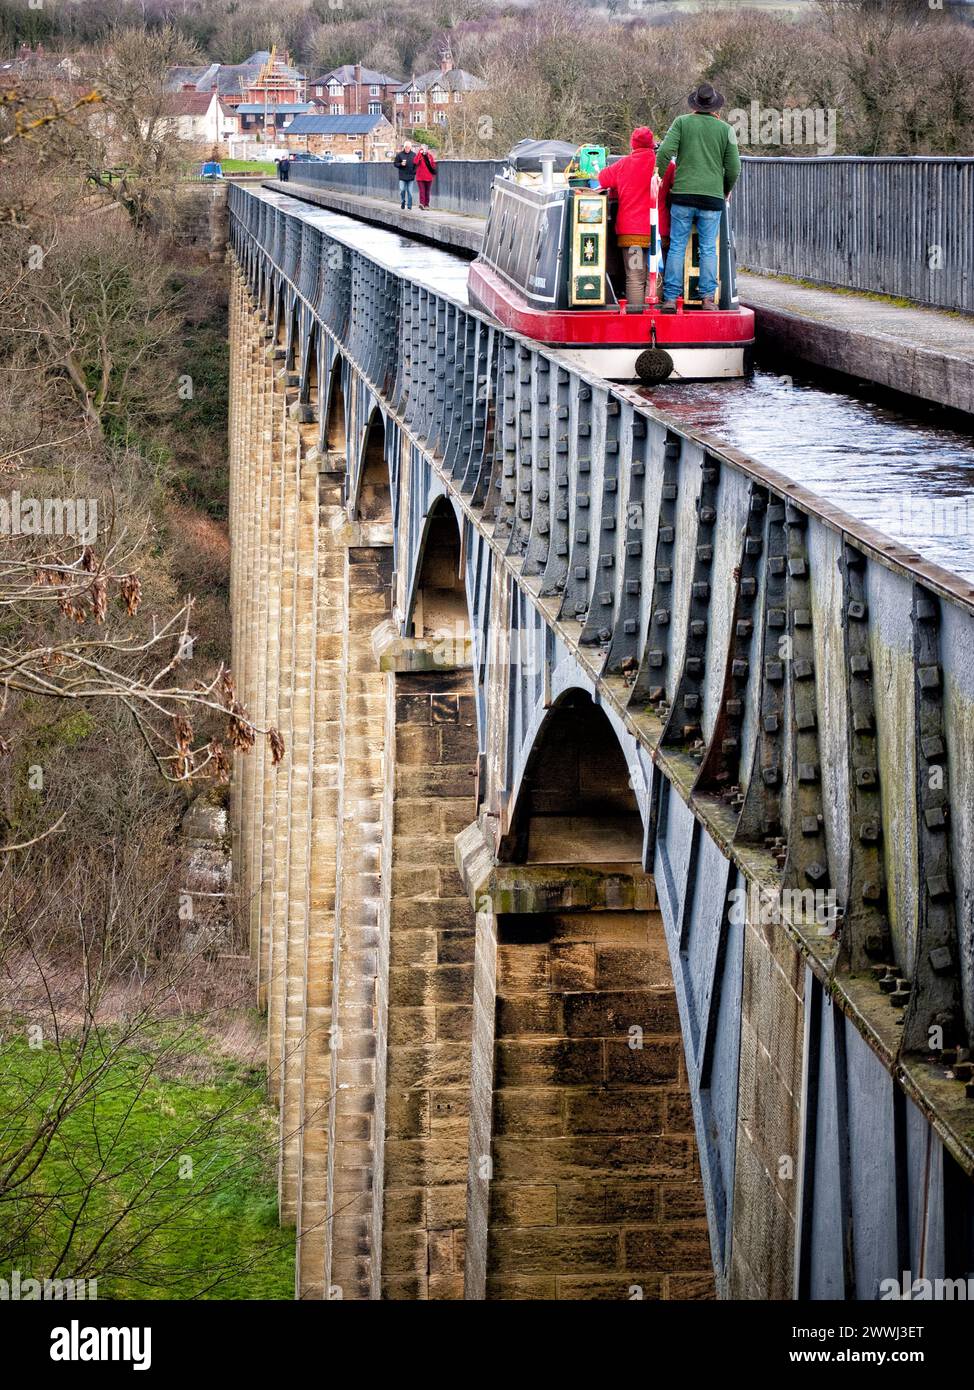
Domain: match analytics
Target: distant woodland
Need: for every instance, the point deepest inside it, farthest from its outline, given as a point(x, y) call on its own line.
point(898, 74)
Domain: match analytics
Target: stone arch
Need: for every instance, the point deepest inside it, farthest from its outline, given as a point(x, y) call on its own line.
point(595, 1186)
point(334, 439)
point(439, 598)
point(373, 497)
point(279, 320)
point(293, 344)
point(309, 377)
point(576, 802)
point(266, 292)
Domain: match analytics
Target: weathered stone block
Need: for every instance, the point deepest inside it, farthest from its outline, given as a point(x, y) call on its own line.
point(558, 1063)
point(446, 1206)
point(537, 1251)
point(523, 1206)
point(614, 1112)
point(669, 1249)
point(612, 1014)
point(529, 1112)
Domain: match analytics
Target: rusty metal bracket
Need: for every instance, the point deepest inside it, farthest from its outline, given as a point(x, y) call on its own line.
point(935, 993)
point(720, 769)
point(684, 726)
point(650, 684)
point(623, 654)
point(760, 818)
point(807, 862)
point(865, 932)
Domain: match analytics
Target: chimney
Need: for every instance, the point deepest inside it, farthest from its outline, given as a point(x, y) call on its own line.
point(446, 60)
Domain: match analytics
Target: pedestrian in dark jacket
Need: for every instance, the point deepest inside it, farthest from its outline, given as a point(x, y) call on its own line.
point(405, 162)
point(425, 174)
point(639, 192)
point(283, 170)
point(707, 167)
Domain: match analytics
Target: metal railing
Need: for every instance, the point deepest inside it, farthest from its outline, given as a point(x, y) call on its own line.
point(462, 185)
point(896, 226)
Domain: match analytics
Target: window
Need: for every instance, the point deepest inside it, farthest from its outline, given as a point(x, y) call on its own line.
point(441, 117)
point(375, 108)
point(319, 91)
point(439, 96)
point(375, 90)
point(458, 96)
point(335, 89)
point(400, 98)
point(415, 98)
point(335, 109)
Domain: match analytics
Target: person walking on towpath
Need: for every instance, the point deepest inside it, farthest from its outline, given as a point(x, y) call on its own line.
point(405, 162)
point(707, 167)
point(425, 174)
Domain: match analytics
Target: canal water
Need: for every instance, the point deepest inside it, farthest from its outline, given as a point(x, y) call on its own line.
point(901, 468)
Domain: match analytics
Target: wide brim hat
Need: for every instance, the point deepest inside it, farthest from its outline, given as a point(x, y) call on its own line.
point(705, 98)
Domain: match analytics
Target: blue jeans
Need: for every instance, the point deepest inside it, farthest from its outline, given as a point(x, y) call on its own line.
point(681, 225)
point(405, 193)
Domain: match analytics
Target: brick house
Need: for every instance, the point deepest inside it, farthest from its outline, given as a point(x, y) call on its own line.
point(369, 137)
point(262, 76)
point(352, 90)
point(430, 99)
point(276, 81)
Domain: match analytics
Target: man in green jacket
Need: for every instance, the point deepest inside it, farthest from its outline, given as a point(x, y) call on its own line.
point(707, 167)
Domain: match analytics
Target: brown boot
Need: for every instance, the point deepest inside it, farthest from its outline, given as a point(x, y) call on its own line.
point(708, 302)
point(635, 260)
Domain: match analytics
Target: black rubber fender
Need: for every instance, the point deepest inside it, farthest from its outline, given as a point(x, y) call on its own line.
point(653, 366)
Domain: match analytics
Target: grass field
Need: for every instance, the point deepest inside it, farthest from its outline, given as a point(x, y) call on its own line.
point(176, 1144)
point(248, 166)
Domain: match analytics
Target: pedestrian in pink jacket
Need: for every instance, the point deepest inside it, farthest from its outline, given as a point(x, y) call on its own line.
point(425, 174)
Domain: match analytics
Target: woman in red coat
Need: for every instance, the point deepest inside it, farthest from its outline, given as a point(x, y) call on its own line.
point(639, 190)
point(425, 174)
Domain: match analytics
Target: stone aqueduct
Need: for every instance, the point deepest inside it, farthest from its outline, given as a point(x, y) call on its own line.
point(530, 1029)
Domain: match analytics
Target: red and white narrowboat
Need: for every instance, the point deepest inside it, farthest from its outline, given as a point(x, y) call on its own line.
point(549, 268)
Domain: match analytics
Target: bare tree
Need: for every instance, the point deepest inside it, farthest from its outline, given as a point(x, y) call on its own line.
point(127, 147)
